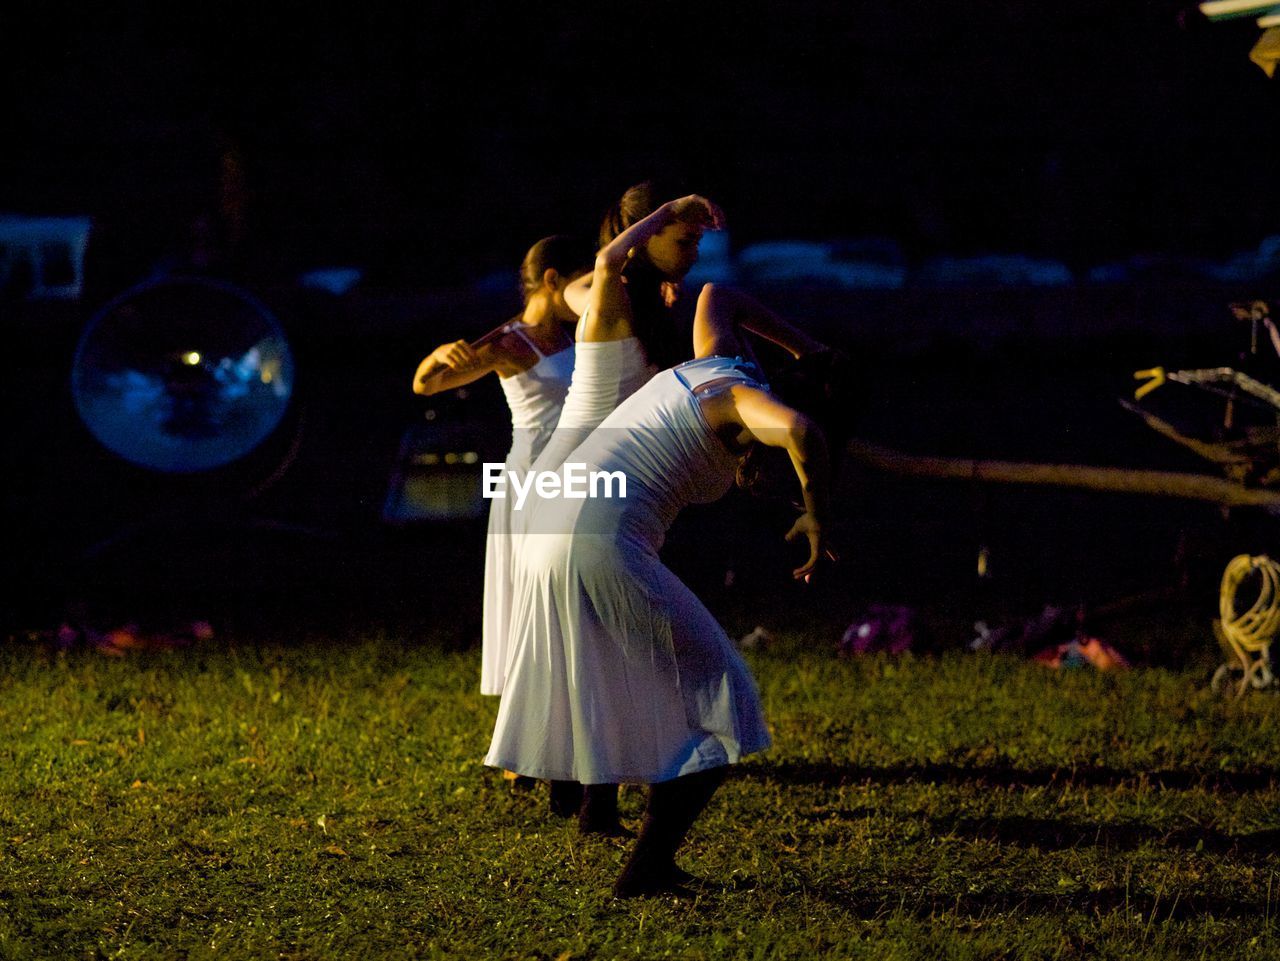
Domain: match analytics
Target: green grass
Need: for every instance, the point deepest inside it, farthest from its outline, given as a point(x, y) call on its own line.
point(328, 801)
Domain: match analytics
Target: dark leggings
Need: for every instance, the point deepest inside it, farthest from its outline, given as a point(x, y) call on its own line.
point(595, 805)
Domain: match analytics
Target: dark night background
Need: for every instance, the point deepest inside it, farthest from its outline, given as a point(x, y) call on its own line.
point(430, 144)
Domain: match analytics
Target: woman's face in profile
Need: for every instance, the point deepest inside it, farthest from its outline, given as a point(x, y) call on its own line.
point(674, 249)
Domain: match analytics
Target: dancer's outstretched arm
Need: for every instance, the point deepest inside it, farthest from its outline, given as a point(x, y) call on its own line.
point(723, 313)
point(609, 308)
point(766, 420)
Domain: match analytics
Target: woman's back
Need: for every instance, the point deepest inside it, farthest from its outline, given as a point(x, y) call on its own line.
point(659, 445)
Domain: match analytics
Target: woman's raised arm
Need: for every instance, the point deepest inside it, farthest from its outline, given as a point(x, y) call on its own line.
point(609, 308)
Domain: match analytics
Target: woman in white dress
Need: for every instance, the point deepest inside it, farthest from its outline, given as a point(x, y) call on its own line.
point(618, 672)
point(627, 332)
point(626, 320)
point(533, 357)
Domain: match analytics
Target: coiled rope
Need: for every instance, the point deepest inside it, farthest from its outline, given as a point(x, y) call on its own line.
point(1248, 634)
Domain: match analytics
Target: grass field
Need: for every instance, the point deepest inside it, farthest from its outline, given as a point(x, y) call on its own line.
point(327, 800)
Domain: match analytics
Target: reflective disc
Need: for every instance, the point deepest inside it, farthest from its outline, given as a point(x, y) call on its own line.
point(183, 375)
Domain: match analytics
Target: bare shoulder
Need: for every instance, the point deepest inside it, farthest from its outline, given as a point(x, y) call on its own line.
point(730, 403)
point(510, 354)
point(759, 411)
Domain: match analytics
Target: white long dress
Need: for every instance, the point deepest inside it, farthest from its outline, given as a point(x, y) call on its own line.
point(605, 373)
point(618, 672)
point(602, 374)
point(535, 397)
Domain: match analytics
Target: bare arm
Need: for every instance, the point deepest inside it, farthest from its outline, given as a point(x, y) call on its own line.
point(459, 363)
point(722, 312)
point(608, 306)
point(772, 423)
point(693, 209)
point(452, 365)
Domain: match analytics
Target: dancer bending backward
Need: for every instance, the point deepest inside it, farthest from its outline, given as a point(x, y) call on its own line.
point(533, 357)
point(625, 322)
point(619, 673)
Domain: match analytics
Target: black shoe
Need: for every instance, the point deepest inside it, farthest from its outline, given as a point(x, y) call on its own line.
point(694, 884)
point(644, 886)
point(566, 799)
point(604, 829)
point(677, 875)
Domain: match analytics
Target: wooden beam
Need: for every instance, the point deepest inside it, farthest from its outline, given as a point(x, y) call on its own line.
point(1117, 480)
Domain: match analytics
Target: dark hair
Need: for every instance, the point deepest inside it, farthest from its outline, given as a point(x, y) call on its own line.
point(824, 387)
point(636, 203)
point(568, 256)
point(665, 344)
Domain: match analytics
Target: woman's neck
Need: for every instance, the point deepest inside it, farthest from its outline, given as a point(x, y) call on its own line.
point(545, 328)
point(544, 321)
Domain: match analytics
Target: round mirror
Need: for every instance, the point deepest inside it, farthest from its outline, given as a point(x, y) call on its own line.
point(183, 375)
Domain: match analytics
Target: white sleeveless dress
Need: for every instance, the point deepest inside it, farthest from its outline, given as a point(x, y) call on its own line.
point(618, 672)
point(535, 397)
point(605, 374)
